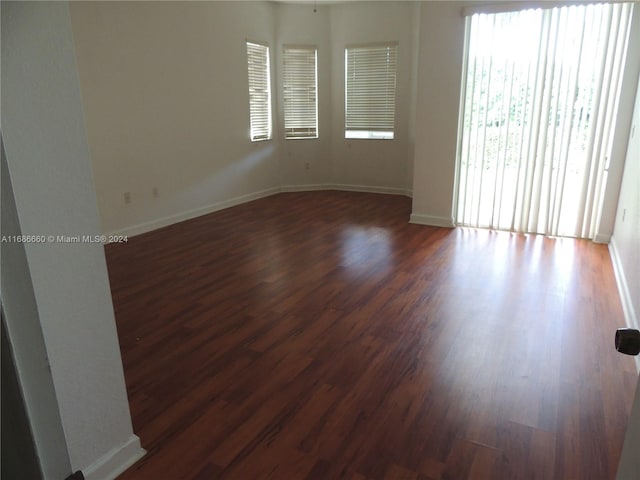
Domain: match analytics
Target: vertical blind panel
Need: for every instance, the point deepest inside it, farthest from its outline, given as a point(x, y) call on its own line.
point(300, 92)
point(259, 91)
point(370, 96)
point(541, 93)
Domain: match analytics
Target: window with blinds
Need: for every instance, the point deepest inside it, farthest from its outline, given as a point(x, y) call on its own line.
point(259, 91)
point(370, 91)
point(300, 92)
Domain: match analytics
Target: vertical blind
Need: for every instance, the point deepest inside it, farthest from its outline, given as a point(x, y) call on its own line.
point(259, 91)
point(300, 92)
point(370, 91)
point(540, 101)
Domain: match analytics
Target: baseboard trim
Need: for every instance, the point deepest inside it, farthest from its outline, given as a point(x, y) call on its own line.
point(197, 212)
point(188, 215)
point(116, 461)
point(311, 187)
point(630, 316)
point(432, 221)
point(345, 187)
point(602, 238)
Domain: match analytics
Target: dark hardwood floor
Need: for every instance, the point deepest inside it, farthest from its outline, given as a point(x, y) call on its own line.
point(319, 336)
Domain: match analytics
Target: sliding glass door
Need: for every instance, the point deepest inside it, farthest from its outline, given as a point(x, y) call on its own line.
point(540, 98)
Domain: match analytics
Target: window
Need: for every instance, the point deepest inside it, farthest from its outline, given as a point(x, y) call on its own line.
point(259, 91)
point(370, 91)
point(539, 107)
point(300, 92)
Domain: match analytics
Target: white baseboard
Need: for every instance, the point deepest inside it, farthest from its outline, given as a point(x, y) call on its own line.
point(370, 189)
point(311, 187)
point(602, 238)
point(116, 461)
point(630, 316)
point(197, 212)
point(347, 188)
point(432, 221)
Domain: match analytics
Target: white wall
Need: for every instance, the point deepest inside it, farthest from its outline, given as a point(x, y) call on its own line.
point(48, 162)
point(372, 162)
point(167, 105)
point(626, 259)
point(625, 254)
point(24, 335)
point(299, 25)
point(629, 465)
point(413, 94)
point(625, 243)
point(439, 81)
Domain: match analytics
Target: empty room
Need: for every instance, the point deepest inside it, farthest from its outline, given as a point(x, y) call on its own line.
point(320, 240)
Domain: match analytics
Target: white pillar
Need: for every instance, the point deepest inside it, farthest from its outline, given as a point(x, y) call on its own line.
point(50, 169)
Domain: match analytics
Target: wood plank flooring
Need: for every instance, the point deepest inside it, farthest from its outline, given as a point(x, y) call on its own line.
point(319, 335)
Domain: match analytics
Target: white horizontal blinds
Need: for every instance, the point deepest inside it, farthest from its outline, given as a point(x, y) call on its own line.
point(370, 91)
point(300, 92)
point(259, 91)
point(541, 93)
